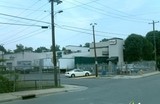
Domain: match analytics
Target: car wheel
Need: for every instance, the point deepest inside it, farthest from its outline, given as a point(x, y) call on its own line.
point(73, 75)
point(87, 74)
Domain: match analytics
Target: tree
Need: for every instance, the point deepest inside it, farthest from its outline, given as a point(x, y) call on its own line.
point(19, 48)
point(63, 49)
point(134, 48)
point(154, 37)
point(147, 50)
point(150, 37)
point(87, 45)
point(104, 40)
point(2, 49)
point(9, 51)
point(57, 48)
point(41, 49)
point(66, 51)
point(80, 45)
point(28, 49)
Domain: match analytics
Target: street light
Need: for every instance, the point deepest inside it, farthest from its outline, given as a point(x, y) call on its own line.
point(53, 40)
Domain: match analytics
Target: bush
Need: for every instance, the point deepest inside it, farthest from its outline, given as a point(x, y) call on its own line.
point(5, 85)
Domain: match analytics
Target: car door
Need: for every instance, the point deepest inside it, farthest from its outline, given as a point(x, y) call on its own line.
point(78, 72)
point(81, 73)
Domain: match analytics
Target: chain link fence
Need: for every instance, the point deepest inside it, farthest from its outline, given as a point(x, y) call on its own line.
point(130, 69)
point(136, 67)
point(26, 78)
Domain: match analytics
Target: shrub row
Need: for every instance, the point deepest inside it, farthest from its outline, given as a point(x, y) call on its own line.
point(5, 85)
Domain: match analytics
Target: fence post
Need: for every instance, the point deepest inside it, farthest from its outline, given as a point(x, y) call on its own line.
point(35, 84)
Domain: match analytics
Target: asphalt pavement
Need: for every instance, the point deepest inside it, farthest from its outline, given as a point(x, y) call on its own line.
point(35, 93)
point(67, 88)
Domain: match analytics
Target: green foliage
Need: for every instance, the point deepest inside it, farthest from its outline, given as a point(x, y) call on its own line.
point(104, 40)
point(133, 48)
point(42, 49)
point(28, 49)
point(5, 85)
point(19, 48)
point(9, 51)
point(57, 47)
point(154, 35)
point(59, 54)
point(86, 44)
point(147, 50)
point(137, 48)
point(2, 49)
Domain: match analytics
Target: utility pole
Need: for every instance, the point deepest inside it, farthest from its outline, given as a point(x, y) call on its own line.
point(95, 53)
point(53, 41)
point(155, 49)
point(2, 55)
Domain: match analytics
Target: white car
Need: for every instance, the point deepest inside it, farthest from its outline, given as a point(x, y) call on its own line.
point(77, 73)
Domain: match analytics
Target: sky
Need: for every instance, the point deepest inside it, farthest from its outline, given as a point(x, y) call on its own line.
point(21, 21)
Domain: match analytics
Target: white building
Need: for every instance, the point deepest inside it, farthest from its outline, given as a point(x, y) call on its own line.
point(76, 49)
point(44, 59)
point(27, 59)
point(111, 51)
point(67, 61)
point(113, 48)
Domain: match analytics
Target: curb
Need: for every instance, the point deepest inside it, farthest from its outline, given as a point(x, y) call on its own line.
point(137, 76)
point(22, 95)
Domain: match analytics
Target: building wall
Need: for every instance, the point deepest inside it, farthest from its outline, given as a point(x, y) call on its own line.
point(16, 58)
point(111, 48)
point(102, 49)
point(116, 49)
point(66, 63)
point(77, 48)
point(42, 59)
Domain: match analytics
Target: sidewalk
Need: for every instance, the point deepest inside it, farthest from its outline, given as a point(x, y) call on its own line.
point(18, 95)
point(134, 76)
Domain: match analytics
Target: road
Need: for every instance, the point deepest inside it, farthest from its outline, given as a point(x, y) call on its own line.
point(104, 91)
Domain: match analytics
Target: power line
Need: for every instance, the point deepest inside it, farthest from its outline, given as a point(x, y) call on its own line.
point(101, 11)
point(20, 8)
point(9, 19)
point(23, 18)
point(21, 24)
point(25, 36)
point(32, 19)
point(80, 31)
point(78, 5)
point(9, 37)
point(15, 34)
point(23, 12)
point(124, 13)
point(95, 30)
